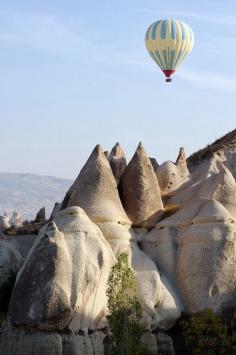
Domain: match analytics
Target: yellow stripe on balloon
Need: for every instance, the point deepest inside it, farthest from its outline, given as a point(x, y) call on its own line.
point(170, 51)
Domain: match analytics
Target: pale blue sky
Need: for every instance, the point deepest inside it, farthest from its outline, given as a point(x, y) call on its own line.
point(76, 73)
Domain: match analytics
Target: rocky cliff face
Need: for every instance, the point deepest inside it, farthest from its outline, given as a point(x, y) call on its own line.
point(177, 221)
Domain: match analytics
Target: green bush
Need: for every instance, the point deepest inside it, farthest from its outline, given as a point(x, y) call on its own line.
point(205, 334)
point(124, 318)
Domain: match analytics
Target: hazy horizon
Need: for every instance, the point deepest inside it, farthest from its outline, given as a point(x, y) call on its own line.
point(76, 74)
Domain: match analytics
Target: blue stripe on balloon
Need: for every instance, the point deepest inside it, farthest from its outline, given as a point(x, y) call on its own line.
point(147, 33)
point(177, 59)
point(172, 54)
point(173, 29)
point(163, 30)
point(184, 34)
point(159, 58)
point(165, 58)
point(154, 29)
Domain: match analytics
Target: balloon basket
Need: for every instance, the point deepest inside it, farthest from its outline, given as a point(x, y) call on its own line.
point(168, 80)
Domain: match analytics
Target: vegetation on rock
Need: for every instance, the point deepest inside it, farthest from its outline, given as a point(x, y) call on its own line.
point(125, 312)
point(205, 333)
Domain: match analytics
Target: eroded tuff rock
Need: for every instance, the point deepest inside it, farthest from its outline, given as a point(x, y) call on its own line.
point(154, 162)
point(185, 263)
point(106, 153)
point(206, 267)
point(117, 161)
point(21, 341)
point(16, 219)
point(182, 164)
point(64, 273)
point(160, 305)
point(57, 208)
point(140, 191)
point(95, 190)
point(41, 215)
point(11, 260)
point(171, 176)
point(221, 187)
point(195, 249)
point(218, 184)
point(4, 223)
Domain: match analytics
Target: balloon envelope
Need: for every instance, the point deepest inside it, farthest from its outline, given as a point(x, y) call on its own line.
point(168, 43)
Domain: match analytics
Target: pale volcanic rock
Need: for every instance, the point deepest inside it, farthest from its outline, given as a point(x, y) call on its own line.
point(200, 209)
point(4, 223)
point(182, 164)
point(161, 245)
point(16, 220)
point(221, 187)
point(160, 306)
point(21, 341)
point(206, 267)
point(195, 250)
point(168, 177)
point(11, 260)
point(171, 176)
point(140, 191)
point(64, 273)
point(95, 190)
point(117, 161)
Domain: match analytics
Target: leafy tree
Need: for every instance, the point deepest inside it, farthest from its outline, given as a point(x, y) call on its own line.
point(125, 312)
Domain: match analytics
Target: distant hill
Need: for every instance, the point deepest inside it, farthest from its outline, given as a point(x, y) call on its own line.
point(29, 192)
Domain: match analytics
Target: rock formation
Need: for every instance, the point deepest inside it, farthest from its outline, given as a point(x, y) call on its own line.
point(59, 298)
point(117, 161)
point(16, 219)
point(4, 223)
point(140, 191)
point(95, 191)
point(155, 164)
point(182, 164)
point(160, 307)
point(10, 261)
point(182, 254)
point(41, 215)
point(57, 208)
point(194, 249)
point(171, 176)
point(106, 153)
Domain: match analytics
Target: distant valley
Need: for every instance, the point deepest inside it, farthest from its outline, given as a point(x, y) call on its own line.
point(29, 192)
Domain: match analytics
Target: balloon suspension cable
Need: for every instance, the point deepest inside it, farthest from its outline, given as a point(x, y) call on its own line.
point(168, 80)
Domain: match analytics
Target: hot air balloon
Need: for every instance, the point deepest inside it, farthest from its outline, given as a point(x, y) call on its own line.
point(168, 43)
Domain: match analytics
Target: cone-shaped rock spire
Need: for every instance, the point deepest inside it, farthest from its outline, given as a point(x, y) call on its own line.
point(140, 191)
point(181, 163)
point(117, 161)
point(41, 215)
point(95, 191)
point(155, 164)
point(106, 153)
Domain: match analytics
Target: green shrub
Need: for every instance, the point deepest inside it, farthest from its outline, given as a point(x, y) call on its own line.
point(125, 312)
point(205, 334)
